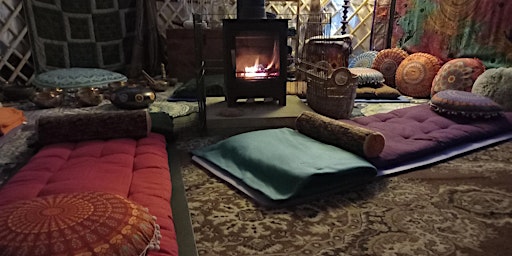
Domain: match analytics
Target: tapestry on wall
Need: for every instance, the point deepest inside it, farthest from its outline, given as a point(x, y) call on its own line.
point(381, 24)
point(451, 29)
point(84, 33)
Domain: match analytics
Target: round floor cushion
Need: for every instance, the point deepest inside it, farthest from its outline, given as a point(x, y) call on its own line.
point(466, 104)
point(496, 84)
point(387, 61)
point(89, 223)
point(363, 60)
point(77, 77)
point(415, 74)
point(457, 74)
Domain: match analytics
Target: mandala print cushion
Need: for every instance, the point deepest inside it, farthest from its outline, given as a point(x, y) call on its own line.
point(457, 74)
point(462, 103)
point(387, 62)
point(363, 60)
point(89, 223)
point(415, 74)
point(496, 84)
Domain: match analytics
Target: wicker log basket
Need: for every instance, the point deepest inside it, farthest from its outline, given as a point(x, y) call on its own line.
point(330, 92)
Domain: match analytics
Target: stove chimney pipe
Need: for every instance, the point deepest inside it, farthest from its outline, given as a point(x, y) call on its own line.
point(250, 9)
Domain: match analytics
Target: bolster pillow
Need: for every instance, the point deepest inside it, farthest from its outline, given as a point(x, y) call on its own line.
point(93, 126)
point(356, 139)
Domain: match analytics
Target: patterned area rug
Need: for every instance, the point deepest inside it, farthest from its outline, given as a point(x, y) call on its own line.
point(376, 108)
point(459, 207)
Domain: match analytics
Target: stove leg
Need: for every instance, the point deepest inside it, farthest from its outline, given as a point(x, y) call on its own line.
point(282, 100)
point(231, 101)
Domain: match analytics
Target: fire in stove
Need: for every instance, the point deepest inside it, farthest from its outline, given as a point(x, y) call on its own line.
point(257, 71)
point(257, 57)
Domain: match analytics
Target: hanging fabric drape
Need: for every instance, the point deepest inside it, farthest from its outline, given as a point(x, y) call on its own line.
point(146, 54)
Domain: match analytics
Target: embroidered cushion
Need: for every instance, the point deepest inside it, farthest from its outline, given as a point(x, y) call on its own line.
point(462, 103)
point(77, 77)
point(457, 74)
point(363, 60)
point(415, 74)
point(496, 84)
point(87, 223)
point(387, 62)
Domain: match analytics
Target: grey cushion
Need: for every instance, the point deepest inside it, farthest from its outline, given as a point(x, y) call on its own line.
point(496, 84)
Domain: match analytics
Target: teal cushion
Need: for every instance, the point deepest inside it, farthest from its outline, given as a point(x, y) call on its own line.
point(284, 163)
point(77, 77)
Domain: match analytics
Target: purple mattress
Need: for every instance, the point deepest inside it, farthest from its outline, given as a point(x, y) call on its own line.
point(415, 132)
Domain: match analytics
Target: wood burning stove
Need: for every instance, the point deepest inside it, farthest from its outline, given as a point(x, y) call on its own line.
point(255, 59)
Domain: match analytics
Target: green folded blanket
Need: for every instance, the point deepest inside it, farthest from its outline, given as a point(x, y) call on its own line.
point(284, 164)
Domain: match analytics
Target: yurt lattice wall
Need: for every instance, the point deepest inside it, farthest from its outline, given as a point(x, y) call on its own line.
point(359, 21)
point(359, 18)
point(15, 53)
point(15, 62)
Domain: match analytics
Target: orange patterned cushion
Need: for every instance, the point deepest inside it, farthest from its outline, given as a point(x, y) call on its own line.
point(415, 74)
point(91, 223)
point(387, 62)
point(457, 74)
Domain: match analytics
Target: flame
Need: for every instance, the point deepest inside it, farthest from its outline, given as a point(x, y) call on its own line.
point(257, 70)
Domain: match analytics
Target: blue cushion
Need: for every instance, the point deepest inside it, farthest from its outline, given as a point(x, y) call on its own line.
point(363, 60)
point(77, 77)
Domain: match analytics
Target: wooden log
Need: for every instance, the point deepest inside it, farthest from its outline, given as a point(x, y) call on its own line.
point(358, 140)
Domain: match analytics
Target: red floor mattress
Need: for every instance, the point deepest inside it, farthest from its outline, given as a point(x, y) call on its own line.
point(136, 169)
